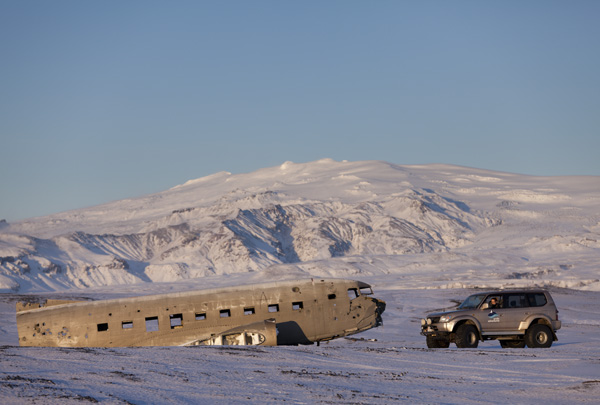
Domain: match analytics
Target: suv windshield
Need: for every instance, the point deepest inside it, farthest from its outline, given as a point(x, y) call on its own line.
point(472, 302)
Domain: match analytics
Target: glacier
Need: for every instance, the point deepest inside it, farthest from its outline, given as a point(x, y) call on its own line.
point(461, 226)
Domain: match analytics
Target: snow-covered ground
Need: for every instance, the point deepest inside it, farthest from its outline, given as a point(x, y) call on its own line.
point(425, 237)
point(385, 365)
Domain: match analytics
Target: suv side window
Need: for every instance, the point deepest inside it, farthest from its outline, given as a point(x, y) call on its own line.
point(515, 301)
point(497, 298)
point(537, 299)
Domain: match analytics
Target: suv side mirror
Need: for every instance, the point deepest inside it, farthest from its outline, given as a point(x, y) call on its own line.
point(485, 306)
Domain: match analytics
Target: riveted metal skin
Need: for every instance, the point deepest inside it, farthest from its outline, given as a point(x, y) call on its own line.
point(279, 313)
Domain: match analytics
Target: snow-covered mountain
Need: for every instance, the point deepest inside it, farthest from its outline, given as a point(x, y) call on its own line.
point(434, 225)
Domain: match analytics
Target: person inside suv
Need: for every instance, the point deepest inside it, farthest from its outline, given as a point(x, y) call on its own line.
point(494, 303)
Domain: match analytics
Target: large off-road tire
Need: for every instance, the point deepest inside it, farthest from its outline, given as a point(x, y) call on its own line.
point(434, 343)
point(512, 344)
point(466, 336)
point(539, 335)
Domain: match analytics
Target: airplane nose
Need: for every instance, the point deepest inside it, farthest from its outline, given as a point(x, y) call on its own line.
point(379, 310)
point(380, 306)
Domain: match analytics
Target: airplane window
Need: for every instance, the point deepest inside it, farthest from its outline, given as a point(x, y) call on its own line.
point(225, 313)
point(152, 324)
point(366, 291)
point(176, 321)
point(201, 317)
point(274, 308)
point(127, 324)
point(352, 293)
point(296, 306)
point(102, 327)
point(248, 311)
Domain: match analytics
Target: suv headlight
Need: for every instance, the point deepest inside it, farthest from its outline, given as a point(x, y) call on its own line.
point(445, 318)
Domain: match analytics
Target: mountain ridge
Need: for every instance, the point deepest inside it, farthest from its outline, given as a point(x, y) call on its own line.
point(319, 218)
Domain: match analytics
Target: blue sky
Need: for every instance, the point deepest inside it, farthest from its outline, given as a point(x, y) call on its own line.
point(101, 101)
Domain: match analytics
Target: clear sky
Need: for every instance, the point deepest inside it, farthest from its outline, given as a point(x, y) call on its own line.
point(105, 100)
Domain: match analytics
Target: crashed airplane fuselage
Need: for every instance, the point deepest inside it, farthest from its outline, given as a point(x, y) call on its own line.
point(278, 313)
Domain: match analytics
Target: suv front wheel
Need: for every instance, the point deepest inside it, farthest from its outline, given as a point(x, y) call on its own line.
point(466, 336)
point(538, 336)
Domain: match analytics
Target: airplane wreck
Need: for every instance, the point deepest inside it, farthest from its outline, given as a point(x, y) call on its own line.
point(268, 314)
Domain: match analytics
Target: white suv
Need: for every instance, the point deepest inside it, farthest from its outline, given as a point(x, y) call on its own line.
point(516, 318)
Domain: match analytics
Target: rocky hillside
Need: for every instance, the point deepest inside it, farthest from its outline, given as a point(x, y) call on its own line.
point(311, 217)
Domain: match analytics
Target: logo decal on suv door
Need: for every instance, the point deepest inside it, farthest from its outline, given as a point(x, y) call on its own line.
point(493, 317)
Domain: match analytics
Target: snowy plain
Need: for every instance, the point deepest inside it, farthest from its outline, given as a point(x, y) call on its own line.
point(390, 364)
point(486, 230)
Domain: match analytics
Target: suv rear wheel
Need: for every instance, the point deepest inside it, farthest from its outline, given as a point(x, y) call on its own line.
point(466, 336)
point(539, 336)
point(433, 343)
